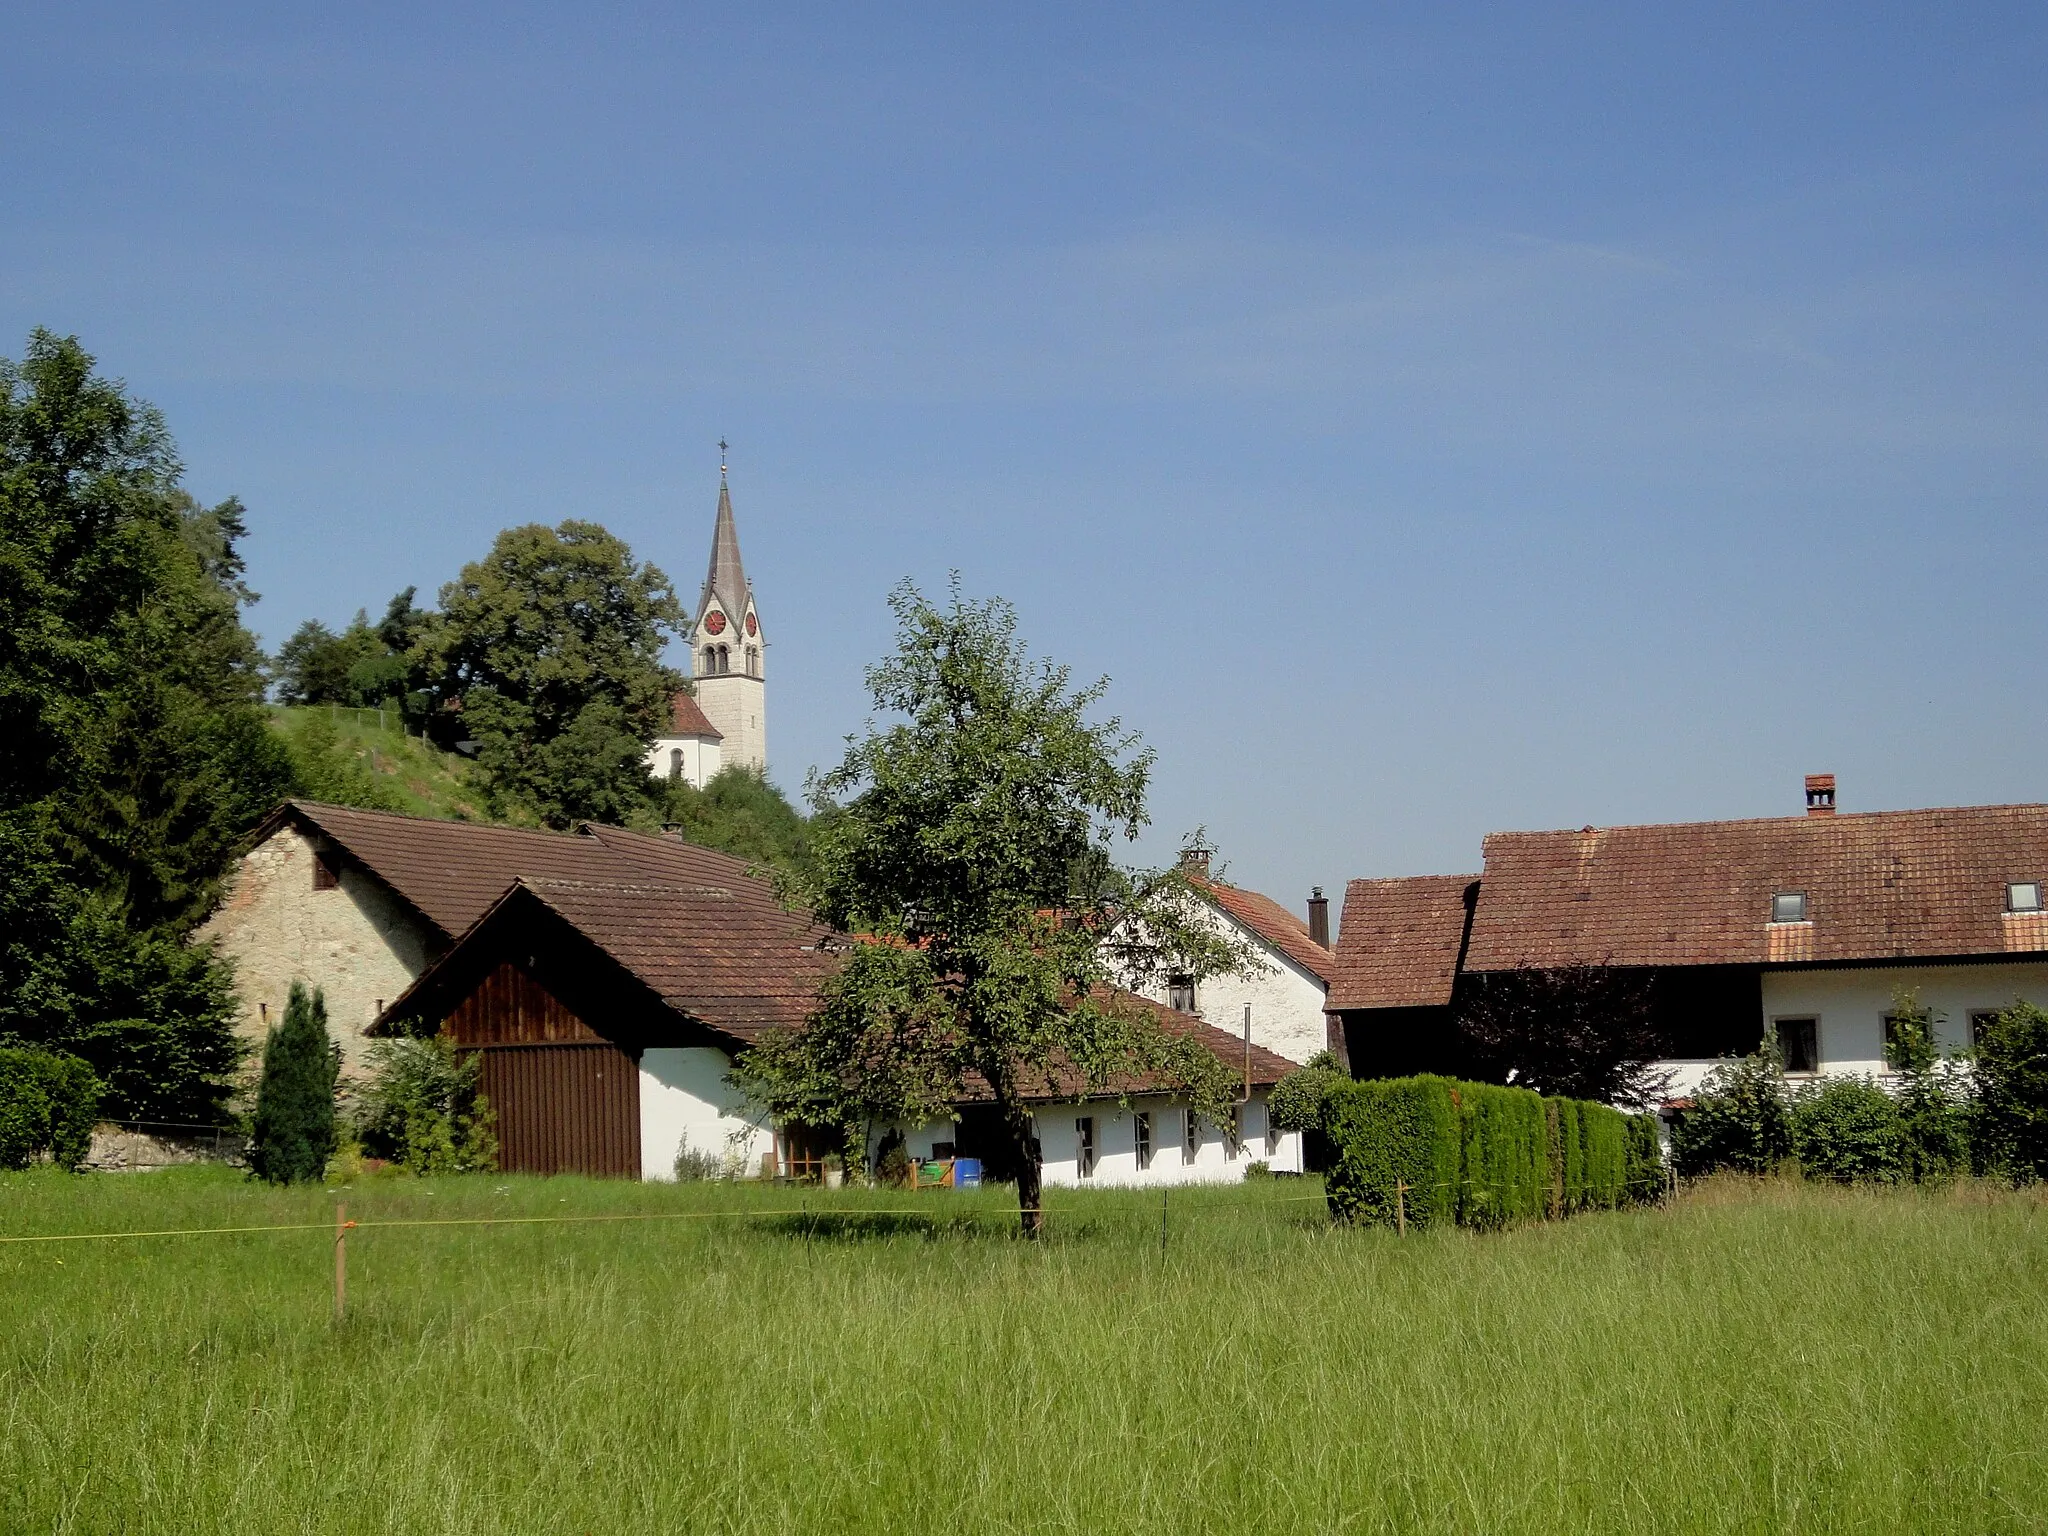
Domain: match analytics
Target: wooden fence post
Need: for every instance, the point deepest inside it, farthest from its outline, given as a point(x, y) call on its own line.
point(341, 1226)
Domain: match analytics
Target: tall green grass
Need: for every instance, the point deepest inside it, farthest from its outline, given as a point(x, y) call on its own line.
point(1749, 1359)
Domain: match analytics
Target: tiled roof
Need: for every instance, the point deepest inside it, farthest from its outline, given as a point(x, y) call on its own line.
point(687, 718)
point(1065, 1082)
point(452, 871)
point(1271, 922)
point(1398, 942)
point(729, 955)
point(1883, 885)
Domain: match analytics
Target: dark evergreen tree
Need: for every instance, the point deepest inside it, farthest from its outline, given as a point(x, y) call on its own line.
point(294, 1131)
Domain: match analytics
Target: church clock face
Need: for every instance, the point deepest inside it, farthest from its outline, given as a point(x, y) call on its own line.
point(714, 622)
point(752, 627)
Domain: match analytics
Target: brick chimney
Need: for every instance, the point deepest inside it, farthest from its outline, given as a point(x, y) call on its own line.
point(1319, 916)
point(1195, 861)
point(1820, 794)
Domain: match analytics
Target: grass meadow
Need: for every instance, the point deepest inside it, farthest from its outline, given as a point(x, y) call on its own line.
point(1750, 1358)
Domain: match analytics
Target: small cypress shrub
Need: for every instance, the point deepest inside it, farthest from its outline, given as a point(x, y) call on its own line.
point(1296, 1104)
point(1506, 1155)
point(1643, 1161)
point(1603, 1134)
point(1386, 1133)
point(293, 1134)
point(49, 1103)
point(1849, 1130)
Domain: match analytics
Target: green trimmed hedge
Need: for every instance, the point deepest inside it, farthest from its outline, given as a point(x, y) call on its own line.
point(49, 1103)
point(1480, 1155)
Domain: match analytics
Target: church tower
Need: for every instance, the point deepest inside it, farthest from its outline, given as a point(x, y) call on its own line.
point(726, 660)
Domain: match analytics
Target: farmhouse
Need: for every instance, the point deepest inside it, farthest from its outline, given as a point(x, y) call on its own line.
point(1808, 924)
point(607, 978)
point(1288, 990)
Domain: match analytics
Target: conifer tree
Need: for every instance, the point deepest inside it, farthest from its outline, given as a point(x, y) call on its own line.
point(294, 1131)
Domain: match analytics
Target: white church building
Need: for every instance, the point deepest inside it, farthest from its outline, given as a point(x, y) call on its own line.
point(724, 722)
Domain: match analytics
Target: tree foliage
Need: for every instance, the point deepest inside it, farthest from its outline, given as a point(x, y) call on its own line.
point(137, 749)
point(1580, 1031)
point(972, 835)
point(739, 812)
point(293, 1133)
point(1741, 1118)
point(421, 1108)
point(547, 655)
point(49, 1103)
point(365, 665)
point(2011, 1112)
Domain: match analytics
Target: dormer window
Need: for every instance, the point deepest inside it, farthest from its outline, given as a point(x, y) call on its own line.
point(2023, 896)
point(1180, 993)
point(1788, 907)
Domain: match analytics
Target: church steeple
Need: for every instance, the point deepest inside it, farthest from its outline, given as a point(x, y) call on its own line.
point(727, 655)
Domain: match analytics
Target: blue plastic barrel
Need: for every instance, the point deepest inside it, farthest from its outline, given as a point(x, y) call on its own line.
point(967, 1173)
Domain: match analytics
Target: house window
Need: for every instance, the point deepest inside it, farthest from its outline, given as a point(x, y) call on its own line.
point(1143, 1121)
point(1799, 1041)
point(1788, 907)
point(2023, 896)
point(675, 762)
point(1084, 1133)
point(1272, 1135)
point(1981, 1019)
point(326, 871)
point(1191, 1136)
point(1180, 993)
point(753, 661)
point(1235, 1143)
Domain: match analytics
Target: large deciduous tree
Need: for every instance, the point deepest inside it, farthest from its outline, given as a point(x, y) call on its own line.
point(969, 839)
point(547, 654)
point(133, 746)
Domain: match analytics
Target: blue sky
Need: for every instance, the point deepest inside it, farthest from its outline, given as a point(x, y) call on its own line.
point(1432, 419)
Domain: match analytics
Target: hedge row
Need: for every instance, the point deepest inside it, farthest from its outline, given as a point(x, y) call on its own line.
point(49, 1104)
point(1478, 1155)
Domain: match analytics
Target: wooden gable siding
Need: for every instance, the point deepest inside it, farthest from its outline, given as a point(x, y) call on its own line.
point(565, 1108)
point(509, 1007)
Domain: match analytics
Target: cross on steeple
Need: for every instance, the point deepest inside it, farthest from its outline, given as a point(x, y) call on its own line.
point(721, 458)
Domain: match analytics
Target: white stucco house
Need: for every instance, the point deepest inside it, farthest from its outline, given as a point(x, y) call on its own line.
point(1287, 987)
point(1811, 926)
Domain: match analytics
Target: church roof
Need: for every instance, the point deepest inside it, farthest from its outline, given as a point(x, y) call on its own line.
point(727, 578)
point(686, 717)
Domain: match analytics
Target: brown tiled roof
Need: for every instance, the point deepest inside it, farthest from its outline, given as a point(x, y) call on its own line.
point(728, 955)
point(1066, 1082)
point(1883, 885)
point(452, 871)
point(1398, 941)
point(1271, 922)
point(687, 718)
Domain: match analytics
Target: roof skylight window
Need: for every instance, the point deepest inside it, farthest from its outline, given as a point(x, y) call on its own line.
point(2023, 896)
point(1788, 907)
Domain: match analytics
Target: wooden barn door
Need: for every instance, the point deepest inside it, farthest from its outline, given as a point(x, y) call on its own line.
point(565, 1108)
point(567, 1099)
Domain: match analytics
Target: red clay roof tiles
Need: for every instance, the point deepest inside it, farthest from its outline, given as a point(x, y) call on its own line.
point(1398, 942)
point(1271, 922)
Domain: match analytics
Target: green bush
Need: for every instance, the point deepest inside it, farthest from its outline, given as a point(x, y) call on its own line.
point(1739, 1119)
point(1849, 1130)
point(1387, 1133)
point(2009, 1131)
point(421, 1109)
point(293, 1134)
point(1296, 1104)
point(49, 1103)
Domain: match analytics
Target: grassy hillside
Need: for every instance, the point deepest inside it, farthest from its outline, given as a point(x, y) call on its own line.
point(1749, 1359)
point(364, 757)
